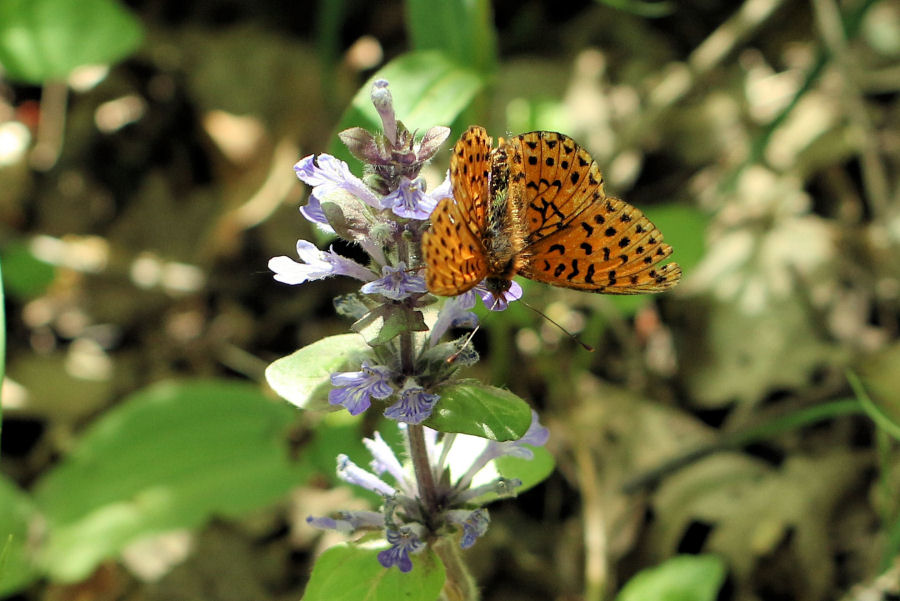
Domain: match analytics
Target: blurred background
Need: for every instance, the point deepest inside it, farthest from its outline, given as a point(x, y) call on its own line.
point(749, 418)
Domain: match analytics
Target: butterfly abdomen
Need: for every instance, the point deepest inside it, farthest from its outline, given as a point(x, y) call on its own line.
point(505, 232)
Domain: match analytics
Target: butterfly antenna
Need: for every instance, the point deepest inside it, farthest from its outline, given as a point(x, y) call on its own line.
point(586, 347)
point(463, 346)
point(471, 335)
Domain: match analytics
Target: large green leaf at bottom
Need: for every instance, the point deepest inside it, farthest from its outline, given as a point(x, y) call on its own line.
point(170, 456)
point(348, 573)
point(682, 578)
point(470, 407)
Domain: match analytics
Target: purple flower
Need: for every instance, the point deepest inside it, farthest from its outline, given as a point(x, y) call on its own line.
point(355, 389)
point(414, 406)
point(326, 175)
point(384, 460)
point(499, 303)
point(474, 524)
point(536, 436)
point(444, 189)
point(396, 283)
point(409, 200)
point(403, 542)
point(384, 104)
point(313, 213)
point(316, 265)
point(395, 153)
point(351, 473)
point(454, 314)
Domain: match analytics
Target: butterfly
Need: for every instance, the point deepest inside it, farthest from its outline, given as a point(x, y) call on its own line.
point(534, 206)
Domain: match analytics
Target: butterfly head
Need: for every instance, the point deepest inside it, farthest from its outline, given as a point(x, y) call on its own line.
point(497, 287)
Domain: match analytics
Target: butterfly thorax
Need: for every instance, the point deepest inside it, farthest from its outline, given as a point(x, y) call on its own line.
point(504, 236)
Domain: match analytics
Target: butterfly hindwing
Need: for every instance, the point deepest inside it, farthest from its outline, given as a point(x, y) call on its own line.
point(610, 247)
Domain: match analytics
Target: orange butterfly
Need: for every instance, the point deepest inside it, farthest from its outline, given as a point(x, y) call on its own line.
point(534, 206)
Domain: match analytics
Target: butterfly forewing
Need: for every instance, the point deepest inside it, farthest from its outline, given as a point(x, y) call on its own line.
point(451, 248)
point(470, 169)
point(560, 180)
point(454, 260)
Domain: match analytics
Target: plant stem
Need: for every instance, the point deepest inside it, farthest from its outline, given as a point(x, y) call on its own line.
point(422, 468)
point(459, 585)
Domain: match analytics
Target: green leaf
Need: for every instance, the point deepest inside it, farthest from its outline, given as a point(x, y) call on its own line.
point(170, 456)
point(683, 227)
point(428, 89)
point(386, 322)
point(347, 573)
point(338, 433)
point(462, 29)
point(682, 578)
point(642, 8)
point(16, 513)
point(530, 471)
point(304, 377)
point(877, 392)
point(46, 39)
point(25, 275)
point(2, 345)
point(470, 407)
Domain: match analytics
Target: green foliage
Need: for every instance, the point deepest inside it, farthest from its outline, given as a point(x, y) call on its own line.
point(759, 510)
point(470, 407)
point(170, 456)
point(744, 355)
point(337, 433)
point(42, 40)
point(877, 388)
point(684, 228)
point(385, 323)
point(25, 276)
point(681, 578)
point(530, 471)
point(17, 516)
point(349, 573)
point(462, 29)
point(2, 342)
point(304, 377)
point(428, 89)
